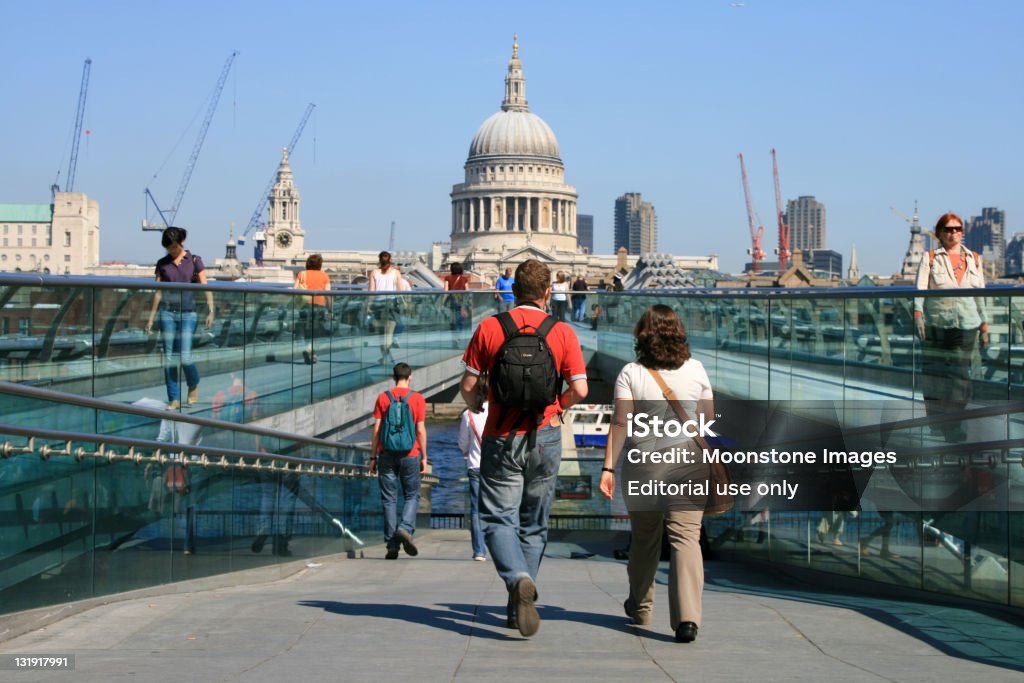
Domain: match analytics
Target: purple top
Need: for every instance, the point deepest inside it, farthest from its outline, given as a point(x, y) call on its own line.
point(167, 271)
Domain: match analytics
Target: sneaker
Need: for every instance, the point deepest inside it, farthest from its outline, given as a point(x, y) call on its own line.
point(174, 405)
point(407, 545)
point(479, 558)
point(524, 594)
point(392, 554)
point(193, 395)
point(836, 541)
point(636, 617)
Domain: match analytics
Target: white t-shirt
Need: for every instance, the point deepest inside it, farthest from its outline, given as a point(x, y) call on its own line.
point(471, 430)
point(689, 382)
point(558, 290)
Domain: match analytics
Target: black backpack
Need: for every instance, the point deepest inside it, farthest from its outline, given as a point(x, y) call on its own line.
point(524, 374)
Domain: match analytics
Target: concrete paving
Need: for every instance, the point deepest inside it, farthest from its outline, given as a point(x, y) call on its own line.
point(440, 617)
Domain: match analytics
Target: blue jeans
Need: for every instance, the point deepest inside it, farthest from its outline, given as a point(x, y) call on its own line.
point(177, 328)
point(475, 527)
point(394, 472)
point(516, 490)
point(578, 309)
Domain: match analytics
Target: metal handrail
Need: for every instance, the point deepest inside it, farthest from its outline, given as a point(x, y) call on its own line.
point(164, 453)
point(892, 292)
point(38, 393)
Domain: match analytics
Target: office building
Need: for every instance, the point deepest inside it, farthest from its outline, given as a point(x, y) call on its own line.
point(636, 224)
point(806, 219)
point(585, 232)
point(986, 234)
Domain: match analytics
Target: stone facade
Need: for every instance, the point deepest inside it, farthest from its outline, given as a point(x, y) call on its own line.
point(62, 238)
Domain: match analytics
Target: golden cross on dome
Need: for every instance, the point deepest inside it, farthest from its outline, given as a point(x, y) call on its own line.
point(515, 46)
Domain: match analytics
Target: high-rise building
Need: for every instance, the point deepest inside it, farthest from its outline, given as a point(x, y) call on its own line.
point(806, 219)
point(986, 234)
point(636, 224)
point(1014, 257)
point(585, 232)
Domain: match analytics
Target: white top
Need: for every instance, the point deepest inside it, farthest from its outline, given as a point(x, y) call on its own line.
point(385, 282)
point(558, 290)
point(689, 382)
point(471, 429)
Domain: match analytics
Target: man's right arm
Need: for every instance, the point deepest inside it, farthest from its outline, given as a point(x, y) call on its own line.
point(468, 390)
point(577, 391)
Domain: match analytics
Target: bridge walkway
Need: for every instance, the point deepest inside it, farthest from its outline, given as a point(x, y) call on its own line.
point(440, 617)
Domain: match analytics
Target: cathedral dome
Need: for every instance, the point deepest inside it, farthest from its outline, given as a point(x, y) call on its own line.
point(517, 133)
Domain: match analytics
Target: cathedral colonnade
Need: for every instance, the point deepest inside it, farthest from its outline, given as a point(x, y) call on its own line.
point(495, 213)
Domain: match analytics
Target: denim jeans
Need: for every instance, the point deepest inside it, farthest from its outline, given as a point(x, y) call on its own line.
point(475, 527)
point(578, 309)
point(177, 328)
point(396, 472)
point(516, 490)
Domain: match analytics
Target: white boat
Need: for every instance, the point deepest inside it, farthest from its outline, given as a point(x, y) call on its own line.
point(590, 422)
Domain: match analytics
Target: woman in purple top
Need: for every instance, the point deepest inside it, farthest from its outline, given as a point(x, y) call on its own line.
point(178, 314)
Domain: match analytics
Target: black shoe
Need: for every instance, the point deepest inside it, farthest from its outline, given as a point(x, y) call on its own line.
point(407, 545)
point(524, 595)
point(281, 547)
point(258, 544)
point(686, 632)
point(392, 554)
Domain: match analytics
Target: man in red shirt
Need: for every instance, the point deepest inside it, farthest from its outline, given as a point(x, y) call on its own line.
point(396, 470)
point(517, 475)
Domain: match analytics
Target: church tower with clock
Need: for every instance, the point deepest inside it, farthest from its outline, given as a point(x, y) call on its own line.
point(285, 237)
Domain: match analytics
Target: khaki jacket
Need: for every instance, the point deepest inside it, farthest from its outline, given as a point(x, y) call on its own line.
point(964, 312)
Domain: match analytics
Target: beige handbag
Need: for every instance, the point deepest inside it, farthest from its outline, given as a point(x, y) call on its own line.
point(717, 503)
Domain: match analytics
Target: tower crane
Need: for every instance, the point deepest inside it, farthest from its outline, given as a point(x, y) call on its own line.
point(756, 231)
point(77, 137)
point(781, 217)
point(169, 216)
point(257, 216)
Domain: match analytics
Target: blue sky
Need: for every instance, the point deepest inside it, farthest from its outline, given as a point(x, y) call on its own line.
point(870, 104)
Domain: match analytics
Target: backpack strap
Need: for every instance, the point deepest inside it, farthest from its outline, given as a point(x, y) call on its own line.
point(545, 327)
point(508, 324)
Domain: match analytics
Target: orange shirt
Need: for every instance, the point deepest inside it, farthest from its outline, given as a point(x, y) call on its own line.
point(316, 280)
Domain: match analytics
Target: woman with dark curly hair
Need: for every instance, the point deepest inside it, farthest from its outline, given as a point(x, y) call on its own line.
point(667, 494)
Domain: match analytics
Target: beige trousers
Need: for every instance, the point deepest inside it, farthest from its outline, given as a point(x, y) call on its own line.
point(686, 569)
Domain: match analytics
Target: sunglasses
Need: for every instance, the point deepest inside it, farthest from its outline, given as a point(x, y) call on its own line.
point(954, 228)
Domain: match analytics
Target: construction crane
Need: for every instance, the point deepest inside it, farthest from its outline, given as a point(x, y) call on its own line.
point(77, 136)
point(391, 242)
point(781, 217)
point(257, 216)
point(756, 231)
point(168, 217)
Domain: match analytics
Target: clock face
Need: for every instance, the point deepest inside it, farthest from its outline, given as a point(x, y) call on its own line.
point(284, 239)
